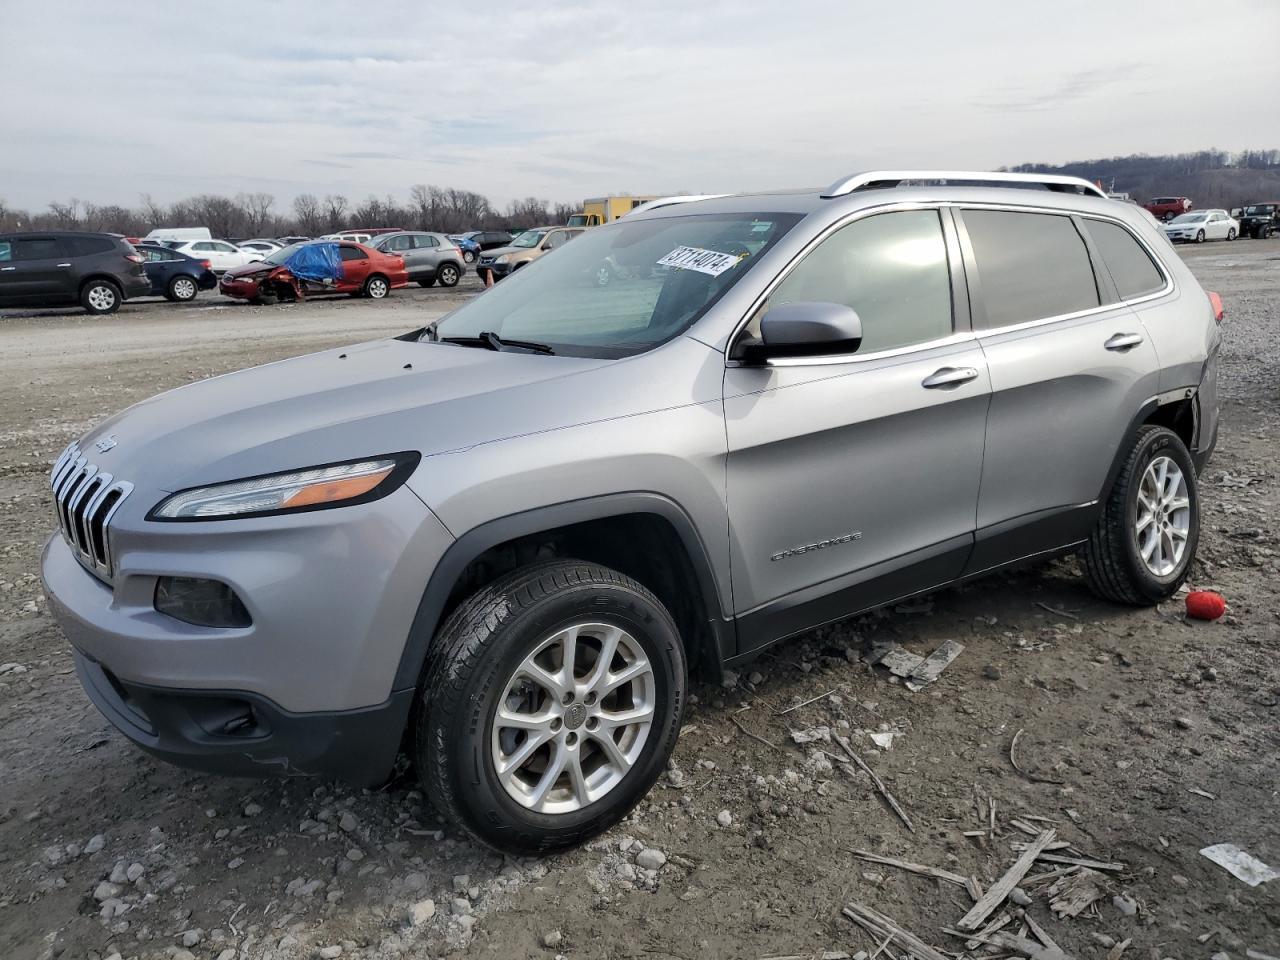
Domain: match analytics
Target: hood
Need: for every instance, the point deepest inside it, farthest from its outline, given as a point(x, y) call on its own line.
point(250, 268)
point(499, 251)
point(362, 401)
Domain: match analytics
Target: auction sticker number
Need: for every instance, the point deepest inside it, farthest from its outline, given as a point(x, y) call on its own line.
point(711, 262)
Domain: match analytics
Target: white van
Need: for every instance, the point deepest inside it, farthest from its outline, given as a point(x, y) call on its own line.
point(162, 234)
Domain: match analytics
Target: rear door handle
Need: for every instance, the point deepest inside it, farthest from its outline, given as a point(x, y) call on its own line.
point(1123, 341)
point(949, 377)
point(64, 264)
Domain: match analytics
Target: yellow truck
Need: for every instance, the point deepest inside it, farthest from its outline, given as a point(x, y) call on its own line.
point(598, 210)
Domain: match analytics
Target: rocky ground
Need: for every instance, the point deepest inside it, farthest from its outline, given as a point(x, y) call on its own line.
point(1141, 738)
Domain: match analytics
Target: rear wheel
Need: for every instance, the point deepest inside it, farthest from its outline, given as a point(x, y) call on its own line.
point(468, 256)
point(1231, 234)
point(448, 275)
point(376, 287)
point(182, 289)
point(100, 297)
point(1169, 215)
point(1147, 534)
point(549, 706)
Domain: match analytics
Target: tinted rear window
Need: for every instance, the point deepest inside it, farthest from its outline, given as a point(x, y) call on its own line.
point(1131, 267)
point(1031, 265)
point(86, 246)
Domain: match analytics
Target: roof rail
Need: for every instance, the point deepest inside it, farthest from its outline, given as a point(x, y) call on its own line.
point(894, 178)
point(669, 201)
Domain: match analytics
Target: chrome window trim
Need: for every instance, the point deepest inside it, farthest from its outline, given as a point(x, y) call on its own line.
point(842, 358)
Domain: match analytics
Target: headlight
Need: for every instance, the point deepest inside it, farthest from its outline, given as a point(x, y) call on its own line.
point(315, 488)
point(505, 258)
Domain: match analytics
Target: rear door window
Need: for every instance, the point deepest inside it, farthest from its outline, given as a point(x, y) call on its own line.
point(1134, 272)
point(1031, 266)
point(424, 241)
point(37, 248)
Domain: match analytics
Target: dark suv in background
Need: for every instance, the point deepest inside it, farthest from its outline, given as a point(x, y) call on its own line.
point(96, 270)
point(1260, 220)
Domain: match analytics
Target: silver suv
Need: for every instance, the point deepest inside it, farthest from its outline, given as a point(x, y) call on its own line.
point(505, 540)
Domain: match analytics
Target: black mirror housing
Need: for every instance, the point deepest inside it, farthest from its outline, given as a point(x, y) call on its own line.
point(803, 328)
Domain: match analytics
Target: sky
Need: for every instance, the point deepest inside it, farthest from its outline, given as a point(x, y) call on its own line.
point(563, 100)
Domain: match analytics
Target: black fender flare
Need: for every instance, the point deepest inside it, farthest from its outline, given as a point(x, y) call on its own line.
point(547, 518)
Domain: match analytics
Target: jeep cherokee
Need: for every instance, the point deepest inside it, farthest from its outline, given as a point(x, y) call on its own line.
point(506, 539)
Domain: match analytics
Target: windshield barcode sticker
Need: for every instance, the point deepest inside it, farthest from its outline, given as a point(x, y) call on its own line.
point(704, 261)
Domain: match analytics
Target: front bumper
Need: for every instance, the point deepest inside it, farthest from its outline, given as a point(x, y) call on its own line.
point(238, 288)
point(237, 733)
point(499, 270)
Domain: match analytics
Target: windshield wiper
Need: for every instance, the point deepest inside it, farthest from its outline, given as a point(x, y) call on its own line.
point(491, 341)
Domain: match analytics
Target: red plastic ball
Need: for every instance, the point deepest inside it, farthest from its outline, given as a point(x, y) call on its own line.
point(1205, 605)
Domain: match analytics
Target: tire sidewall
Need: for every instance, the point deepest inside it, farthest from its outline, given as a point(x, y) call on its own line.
point(492, 814)
point(94, 284)
point(173, 289)
point(448, 275)
point(379, 283)
point(1159, 443)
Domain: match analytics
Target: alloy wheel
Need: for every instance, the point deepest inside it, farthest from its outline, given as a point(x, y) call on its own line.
point(448, 276)
point(184, 289)
point(573, 718)
point(1163, 523)
point(377, 288)
point(101, 297)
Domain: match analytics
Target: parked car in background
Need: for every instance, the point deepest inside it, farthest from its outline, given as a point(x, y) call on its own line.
point(166, 235)
point(355, 269)
point(221, 254)
point(1202, 225)
point(1260, 220)
point(97, 270)
point(262, 247)
point(489, 239)
point(287, 241)
point(173, 274)
point(523, 250)
point(505, 541)
point(1166, 208)
point(470, 249)
point(350, 237)
point(428, 257)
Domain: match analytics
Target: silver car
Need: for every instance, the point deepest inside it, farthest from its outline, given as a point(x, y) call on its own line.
point(429, 258)
point(507, 539)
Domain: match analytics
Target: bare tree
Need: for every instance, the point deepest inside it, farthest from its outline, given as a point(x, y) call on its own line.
point(307, 214)
point(257, 210)
point(335, 209)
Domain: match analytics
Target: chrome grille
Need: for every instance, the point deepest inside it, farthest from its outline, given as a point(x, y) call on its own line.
point(85, 498)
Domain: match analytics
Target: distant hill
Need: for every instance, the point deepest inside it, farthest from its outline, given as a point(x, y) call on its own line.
point(1211, 178)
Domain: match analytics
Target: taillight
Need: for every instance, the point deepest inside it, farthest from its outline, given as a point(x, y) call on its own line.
point(1219, 311)
point(207, 264)
point(135, 257)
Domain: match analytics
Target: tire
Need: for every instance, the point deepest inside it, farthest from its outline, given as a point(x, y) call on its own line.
point(475, 666)
point(1168, 215)
point(448, 275)
point(1231, 234)
point(427, 283)
point(1113, 557)
point(182, 289)
point(100, 297)
point(468, 256)
point(376, 287)
point(1199, 236)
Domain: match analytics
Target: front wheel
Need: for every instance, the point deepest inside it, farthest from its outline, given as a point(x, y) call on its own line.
point(376, 288)
point(1146, 536)
point(550, 704)
point(1199, 236)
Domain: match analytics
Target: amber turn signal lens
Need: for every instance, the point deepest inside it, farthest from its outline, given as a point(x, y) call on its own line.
point(331, 491)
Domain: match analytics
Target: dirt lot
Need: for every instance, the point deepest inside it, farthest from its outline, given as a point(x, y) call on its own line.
point(1144, 737)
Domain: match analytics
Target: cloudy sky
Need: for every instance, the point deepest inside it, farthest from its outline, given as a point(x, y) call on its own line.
point(563, 100)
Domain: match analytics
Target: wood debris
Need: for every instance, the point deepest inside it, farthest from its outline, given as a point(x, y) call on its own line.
point(1119, 948)
point(1001, 921)
point(1073, 895)
point(910, 867)
point(879, 784)
point(1081, 862)
point(880, 927)
point(1002, 887)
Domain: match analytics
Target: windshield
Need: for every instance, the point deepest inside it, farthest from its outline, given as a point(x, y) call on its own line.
point(280, 256)
point(1259, 210)
point(617, 290)
point(530, 238)
point(1189, 218)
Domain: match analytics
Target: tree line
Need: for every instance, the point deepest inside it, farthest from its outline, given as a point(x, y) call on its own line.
point(1211, 178)
point(441, 209)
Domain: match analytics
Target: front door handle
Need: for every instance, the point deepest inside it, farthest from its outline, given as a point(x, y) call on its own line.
point(64, 264)
point(949, 377)
point(7, 269)
point(1123, 341)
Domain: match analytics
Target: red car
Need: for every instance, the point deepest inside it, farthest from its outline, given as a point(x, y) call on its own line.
point(1166, 208)
point(322, 266)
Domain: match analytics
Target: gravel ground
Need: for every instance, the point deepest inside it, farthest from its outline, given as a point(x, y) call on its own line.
point(1143, 737)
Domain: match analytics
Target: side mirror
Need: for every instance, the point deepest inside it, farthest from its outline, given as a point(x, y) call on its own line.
point(804, 329)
